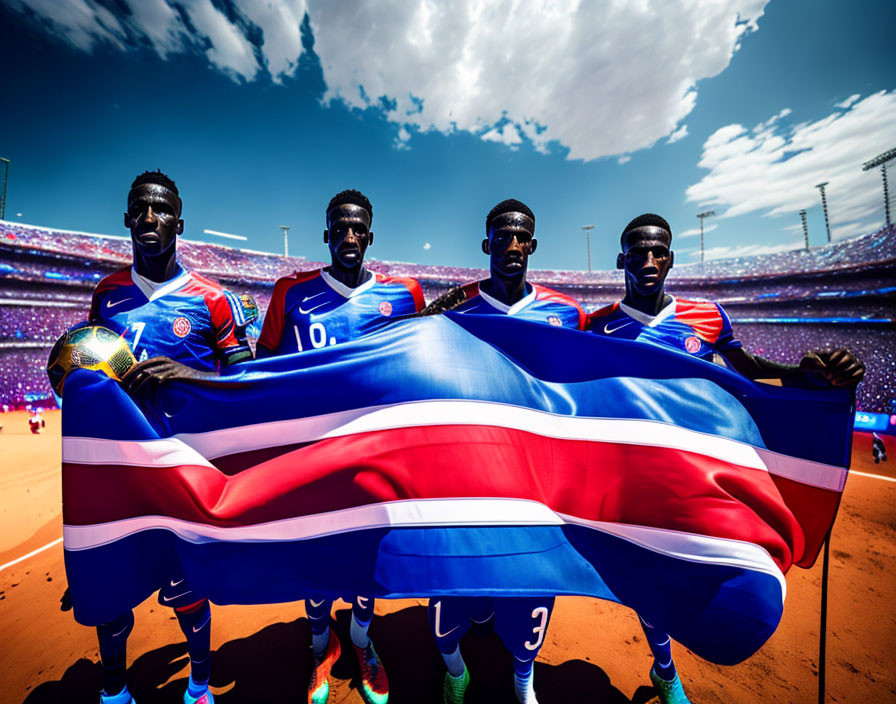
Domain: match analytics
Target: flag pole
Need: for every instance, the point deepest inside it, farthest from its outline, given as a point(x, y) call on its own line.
point(822, 639)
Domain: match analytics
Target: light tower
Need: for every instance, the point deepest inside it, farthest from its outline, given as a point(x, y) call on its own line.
point(588, 229)
point(805, 226)
point(824, 206)
point(285, 229)
point(5, 163)
point(705, 214)
point(881, 161)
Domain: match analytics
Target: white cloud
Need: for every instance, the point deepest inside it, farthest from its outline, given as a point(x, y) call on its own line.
point(427, 246)
point(773, 168)
point(680, 133)
point(623, 159)
point(507, 134)
point(599, 78)
point(848, 103)
point(694, 231)
point(87, 23)
point(472, 65)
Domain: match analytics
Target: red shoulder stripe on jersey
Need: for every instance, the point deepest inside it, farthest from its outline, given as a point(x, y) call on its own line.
point(272, 328)
point(471, 290)
point(703, 316)
point(409, 283)
point(600, 313)
point(122, 277)
point(543, 293)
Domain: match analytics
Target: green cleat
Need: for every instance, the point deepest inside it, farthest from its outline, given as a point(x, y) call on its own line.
point(455, 687)
point(669, 692)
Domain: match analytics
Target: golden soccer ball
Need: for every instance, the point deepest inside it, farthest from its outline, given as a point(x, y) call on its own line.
point(89, 347)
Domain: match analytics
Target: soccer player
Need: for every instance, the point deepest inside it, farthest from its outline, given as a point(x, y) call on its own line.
point(521, 623)
point(878, 449)
point(180, 326)
point(701, 329)
point(315, 309)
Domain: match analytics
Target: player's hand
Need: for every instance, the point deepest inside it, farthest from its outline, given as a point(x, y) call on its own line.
point(160, 370)
point(838, 367)
point(446, 301)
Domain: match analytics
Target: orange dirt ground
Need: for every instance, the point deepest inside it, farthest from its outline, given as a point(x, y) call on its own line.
point(594, 651)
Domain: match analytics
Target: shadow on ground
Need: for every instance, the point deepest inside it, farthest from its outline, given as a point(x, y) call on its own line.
point(274, 665)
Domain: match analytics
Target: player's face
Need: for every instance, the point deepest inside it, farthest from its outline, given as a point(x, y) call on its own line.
point(153, 217)
point(646, 258)
point(348, 234)
point(511, 239)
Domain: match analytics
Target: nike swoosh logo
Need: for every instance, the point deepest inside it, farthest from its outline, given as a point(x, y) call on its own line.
point(609, 331)
point(120, 632)
point(197, 629)
point(110, 304)
point(176, 596)
point(311, 298)
point(173, 583)
point(442, 635)
point(316, 604)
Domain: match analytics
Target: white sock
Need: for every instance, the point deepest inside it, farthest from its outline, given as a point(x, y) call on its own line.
point(319, 641)
point(358, 633)
point(454, 662)
point(525, 693)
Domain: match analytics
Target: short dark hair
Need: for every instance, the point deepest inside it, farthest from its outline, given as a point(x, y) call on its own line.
point(353, 197)
point(156, 177)
point(511, 205)
point(645, 220)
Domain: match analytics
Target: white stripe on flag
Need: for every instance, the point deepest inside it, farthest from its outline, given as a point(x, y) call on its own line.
point(415, 513)
point(167, 452)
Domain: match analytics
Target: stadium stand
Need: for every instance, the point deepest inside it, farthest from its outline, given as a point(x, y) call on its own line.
point(839, 294)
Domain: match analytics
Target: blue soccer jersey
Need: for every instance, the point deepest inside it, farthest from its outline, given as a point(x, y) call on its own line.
point(310, 310)
point(540, 305)
point(697, 328)
point(188, 318)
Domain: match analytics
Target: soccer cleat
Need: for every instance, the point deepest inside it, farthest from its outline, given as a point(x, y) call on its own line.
point(374, 683)
point(205, 695)
point(319, 685)
point(455, 688)
point(123, 697)
point(669, 692)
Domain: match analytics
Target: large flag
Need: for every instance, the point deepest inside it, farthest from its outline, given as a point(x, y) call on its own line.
point(459, 455)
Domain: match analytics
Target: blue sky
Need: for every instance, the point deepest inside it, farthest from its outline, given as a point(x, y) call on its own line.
point(590, 112)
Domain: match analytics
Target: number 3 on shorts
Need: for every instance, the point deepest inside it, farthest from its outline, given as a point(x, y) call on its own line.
point(542, 613)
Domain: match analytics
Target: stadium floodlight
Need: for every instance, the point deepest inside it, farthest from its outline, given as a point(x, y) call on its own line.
point(588, 229)
point(805, 226)
point(824, 207)
point(881, 161)
point(225, 234)
point(705, 214)
point(3, 196)
point(285, 229)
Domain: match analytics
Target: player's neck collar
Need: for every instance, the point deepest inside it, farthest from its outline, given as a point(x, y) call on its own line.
point(346, 291)
point(503, 307)
point(650, 321)
point(155, 289)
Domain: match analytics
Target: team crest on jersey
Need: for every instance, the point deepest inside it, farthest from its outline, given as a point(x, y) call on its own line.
point(181, 326)
point(554, 320)
point(692, 344)
point(386, 308)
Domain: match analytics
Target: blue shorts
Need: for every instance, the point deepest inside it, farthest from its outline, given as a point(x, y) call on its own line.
point(520, 622)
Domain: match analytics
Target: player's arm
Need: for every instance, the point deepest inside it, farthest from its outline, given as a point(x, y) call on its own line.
point(837, 367)
point(446, 301)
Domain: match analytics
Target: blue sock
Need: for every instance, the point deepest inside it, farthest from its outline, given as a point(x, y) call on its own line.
point(522, 680)
point(113, 638)
point(661, 647)
point(195, 622)
point(358, 632)
point(454, 662)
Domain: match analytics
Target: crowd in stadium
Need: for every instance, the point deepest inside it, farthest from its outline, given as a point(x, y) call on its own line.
point(46, 265)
